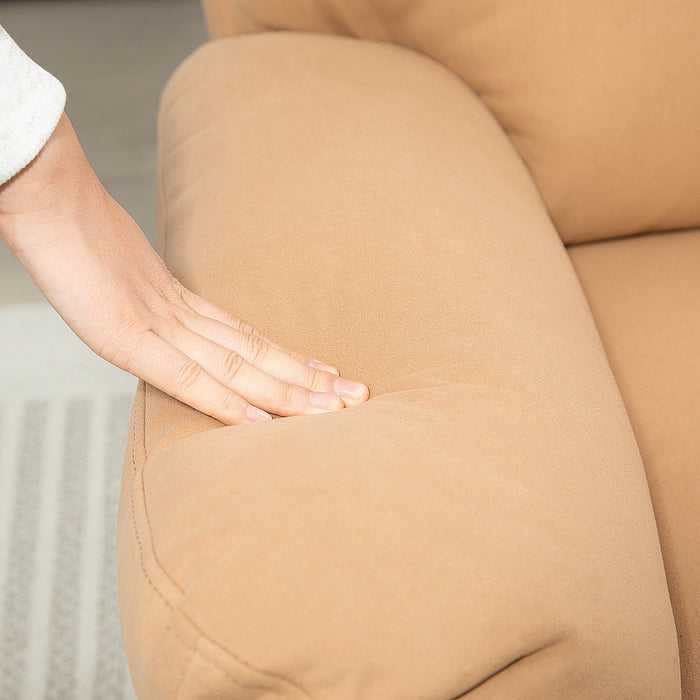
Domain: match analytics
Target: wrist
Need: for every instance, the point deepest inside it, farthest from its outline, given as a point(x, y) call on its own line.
point(54, 191)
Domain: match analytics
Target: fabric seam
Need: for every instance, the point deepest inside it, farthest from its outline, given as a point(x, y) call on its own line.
point(185, 669)
point(176, 611)
point(142, 555)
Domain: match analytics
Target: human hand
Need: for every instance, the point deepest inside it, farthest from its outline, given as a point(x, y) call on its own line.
point(97, 269)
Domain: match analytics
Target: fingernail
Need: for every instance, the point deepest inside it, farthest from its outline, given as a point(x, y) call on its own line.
point(320, 399)
point(316, 364)
point(346, 387)
point(256, 414)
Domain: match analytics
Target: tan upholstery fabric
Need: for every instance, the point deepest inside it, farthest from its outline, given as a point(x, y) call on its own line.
point(482, 526)
point(600, 98)
point(645, 296)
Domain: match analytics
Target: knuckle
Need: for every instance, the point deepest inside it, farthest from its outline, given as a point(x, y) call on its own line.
point(169, 305)
point(316, 380)
point(240, 325)
point(287, 395)
point(253, 331)
point(188, 374)
point(256, 349)
point(184, 313)
point(231, 366)
point(248, 328)
point(167, 320)
point(167, 286)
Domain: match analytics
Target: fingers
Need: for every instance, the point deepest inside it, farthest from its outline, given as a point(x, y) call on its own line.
point(225, 329)
point(276, 362)
point(250, 380)
point(226, 368)
point(165, 367)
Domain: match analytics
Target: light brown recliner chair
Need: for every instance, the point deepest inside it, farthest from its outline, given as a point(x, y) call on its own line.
point(488, 212)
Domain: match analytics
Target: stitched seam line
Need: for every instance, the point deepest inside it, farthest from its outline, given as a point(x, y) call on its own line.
point(169, 605)
point(186, 667)
point(133, 445)
point(203, 635)
point(196, 652)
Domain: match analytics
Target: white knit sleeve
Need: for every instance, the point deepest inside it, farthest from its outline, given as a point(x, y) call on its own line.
point(31, 103)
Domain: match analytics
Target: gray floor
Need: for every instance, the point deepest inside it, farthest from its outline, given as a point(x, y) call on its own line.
point(113, 57)
point(64, 414)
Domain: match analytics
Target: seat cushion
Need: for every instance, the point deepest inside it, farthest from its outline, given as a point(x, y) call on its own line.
point(600, 97)
point(482, 525)
point(645, 296)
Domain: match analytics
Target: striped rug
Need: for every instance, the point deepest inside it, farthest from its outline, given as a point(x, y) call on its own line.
point(63, 421)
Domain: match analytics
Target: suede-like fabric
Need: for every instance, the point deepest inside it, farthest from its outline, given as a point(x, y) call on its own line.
point(482, 526)
point(645, 296)
point(600, 98)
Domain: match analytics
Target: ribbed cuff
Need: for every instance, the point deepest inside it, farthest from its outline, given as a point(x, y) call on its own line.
point(31, 103)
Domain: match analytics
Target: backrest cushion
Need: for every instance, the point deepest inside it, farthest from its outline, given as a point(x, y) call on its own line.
point(601, 98)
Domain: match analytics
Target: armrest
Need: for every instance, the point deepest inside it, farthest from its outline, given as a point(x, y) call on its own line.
point(482, 525)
